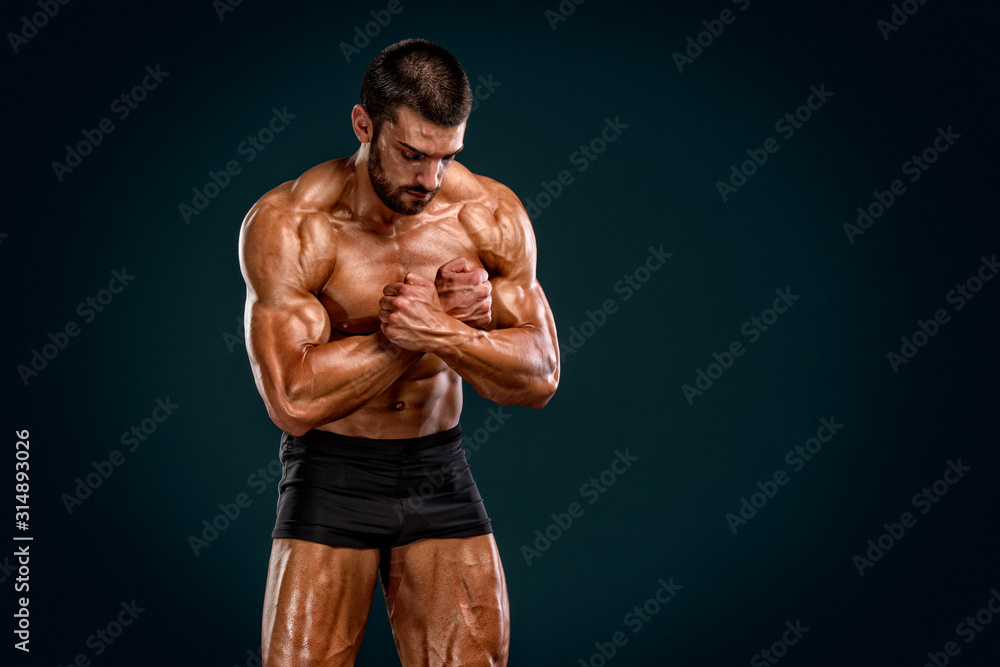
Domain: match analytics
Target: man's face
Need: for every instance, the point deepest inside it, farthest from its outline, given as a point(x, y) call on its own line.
point(408, 158)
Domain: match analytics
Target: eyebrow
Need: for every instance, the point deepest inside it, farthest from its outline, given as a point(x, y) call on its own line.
point(423, 154)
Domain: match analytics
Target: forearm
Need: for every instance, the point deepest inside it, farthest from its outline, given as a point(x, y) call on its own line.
point(514, 366)
point(335, 379)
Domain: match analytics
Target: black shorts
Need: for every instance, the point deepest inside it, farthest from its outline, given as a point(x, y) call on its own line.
point(366, 493)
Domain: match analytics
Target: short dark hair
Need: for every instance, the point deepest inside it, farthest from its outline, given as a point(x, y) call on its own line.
point(421, 75)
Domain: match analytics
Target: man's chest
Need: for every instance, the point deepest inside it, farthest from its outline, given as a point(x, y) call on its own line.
point(365, 263)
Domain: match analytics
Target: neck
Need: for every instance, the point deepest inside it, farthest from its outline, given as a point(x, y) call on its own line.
point(370, 210)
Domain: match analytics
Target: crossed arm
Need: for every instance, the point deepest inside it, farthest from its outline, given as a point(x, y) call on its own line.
point(514, 363)
point(307, 379)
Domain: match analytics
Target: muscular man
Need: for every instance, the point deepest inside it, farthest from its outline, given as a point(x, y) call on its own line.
point(375, 285)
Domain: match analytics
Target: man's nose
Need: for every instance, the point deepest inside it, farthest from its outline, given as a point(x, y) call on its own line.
point(430, 174)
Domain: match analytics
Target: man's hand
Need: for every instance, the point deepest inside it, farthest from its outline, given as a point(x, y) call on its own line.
point(412, 315)
point(465, 293)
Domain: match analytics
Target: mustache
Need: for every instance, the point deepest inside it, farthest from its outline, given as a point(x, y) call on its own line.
point(419, 189)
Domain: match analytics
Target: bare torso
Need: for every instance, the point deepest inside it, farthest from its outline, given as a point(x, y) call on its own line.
point(348, 262)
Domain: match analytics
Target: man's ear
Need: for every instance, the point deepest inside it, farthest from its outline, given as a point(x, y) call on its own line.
point(362, 124)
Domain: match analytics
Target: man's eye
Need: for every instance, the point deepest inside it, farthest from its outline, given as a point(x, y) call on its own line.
point(411, 158)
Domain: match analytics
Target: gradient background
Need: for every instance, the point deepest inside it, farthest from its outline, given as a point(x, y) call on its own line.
point(171, 332)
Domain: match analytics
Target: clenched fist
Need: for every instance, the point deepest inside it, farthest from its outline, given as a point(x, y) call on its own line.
point(412, 315)
point(465, 293)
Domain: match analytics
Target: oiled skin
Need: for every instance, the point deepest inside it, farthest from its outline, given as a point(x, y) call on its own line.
point(447, 602)
point(352, 328)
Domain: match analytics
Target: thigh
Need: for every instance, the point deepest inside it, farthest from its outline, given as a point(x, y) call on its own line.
point(316, 603)
point(447, 602)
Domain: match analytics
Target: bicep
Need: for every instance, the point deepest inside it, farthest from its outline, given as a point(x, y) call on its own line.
point(518, 299)
point(518, 303)
point(280, 329)
point(283, 317)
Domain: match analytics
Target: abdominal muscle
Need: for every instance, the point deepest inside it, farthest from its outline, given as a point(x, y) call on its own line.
point(426, 399)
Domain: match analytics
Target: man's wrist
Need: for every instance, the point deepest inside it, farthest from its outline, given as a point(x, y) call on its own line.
point(395, 351)
point(448, 343)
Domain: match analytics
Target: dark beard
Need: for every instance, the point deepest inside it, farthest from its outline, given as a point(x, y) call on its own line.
point(392, 198)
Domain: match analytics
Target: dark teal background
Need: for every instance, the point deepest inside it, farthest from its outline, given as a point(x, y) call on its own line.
point(173, 332)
